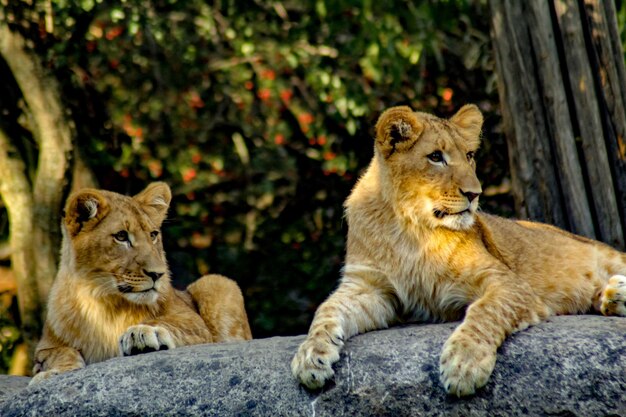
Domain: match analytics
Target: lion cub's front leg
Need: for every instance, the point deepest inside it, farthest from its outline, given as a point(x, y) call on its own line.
point(211, 310)
point(354, 308)
point(178, 325)
point(53, 357)
point(466, 361)
point(144, 338)
point(54, 361)
point(469, 355)
point(312, 364)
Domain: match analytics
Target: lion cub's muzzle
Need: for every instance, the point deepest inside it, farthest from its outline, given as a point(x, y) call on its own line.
point(458, 207)
point(137, 283)
point(457, 212)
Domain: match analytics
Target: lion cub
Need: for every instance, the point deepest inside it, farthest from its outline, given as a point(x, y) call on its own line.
point(112, 295)
point(418, 249)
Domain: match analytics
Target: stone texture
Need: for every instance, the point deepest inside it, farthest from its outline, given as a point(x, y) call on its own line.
point(10, 385)
point(568, 366)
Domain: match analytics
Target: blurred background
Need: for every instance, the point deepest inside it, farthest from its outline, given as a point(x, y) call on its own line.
point(258, 114)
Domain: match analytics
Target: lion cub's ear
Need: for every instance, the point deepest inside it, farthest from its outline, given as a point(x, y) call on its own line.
point(397, 130)
point(155, 200)
point(84, 210)
point(469, 120)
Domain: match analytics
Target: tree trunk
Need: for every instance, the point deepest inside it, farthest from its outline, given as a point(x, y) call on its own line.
point(16, 193)
point(34, 211)
point(561, 85)
point(54, 136)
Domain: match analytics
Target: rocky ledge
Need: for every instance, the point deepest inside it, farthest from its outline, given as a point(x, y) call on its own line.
point(568, 366)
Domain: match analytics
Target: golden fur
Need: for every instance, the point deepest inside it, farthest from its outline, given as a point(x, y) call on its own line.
point(112, 295)
point(418, 250)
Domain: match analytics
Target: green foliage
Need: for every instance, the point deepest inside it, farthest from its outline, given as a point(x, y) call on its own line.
point(259, 115)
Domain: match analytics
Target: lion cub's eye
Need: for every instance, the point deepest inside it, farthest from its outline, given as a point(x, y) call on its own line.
point(121, 236)
point(470, 155)
point(154, 234)
point(436, 156)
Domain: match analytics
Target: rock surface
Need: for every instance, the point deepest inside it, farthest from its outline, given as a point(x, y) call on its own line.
point(568, 366)
point(10, 385)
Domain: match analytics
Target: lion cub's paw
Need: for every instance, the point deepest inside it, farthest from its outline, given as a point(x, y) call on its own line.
point(613, 298)
point(312, 365)
point(465, 365)
point(143, 338)
point(43, 375)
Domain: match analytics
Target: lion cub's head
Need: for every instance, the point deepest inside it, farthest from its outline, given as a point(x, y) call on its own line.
point(113, 243)
point(429, 165)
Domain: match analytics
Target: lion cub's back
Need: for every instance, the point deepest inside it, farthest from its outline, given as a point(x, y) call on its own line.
point(559, 265)
point(529, 241)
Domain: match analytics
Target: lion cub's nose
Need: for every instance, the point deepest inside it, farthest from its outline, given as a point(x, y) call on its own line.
point(471, 196)
point(154, 275)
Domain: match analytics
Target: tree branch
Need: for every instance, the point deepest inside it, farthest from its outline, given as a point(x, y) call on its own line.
point(5, 249)
point(41, 94)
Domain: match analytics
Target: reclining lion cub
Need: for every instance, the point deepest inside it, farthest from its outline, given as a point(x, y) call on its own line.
point(112, 295)
point(418, 250)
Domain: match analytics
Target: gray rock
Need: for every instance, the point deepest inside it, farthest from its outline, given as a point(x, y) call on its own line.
point(10, 385)
point(568, 366)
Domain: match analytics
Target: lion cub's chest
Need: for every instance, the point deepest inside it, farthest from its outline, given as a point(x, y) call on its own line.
point(93, 326)
point(426, 279)
point(101, 340)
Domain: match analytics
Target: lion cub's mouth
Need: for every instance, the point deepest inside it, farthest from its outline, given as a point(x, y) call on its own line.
point(125, 289)
point(440, 214)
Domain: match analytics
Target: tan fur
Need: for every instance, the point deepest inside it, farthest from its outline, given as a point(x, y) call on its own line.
point(113, 296)
point(418, 250)
point(219, 302)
